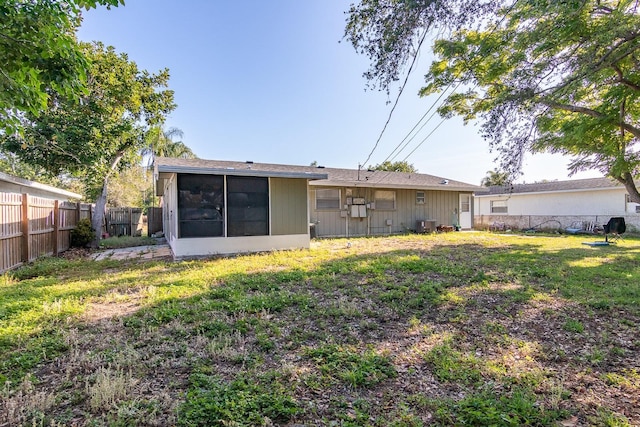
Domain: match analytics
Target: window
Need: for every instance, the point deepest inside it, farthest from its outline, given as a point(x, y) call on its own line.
point(200, 205)
point(465, 203)
point(327, 198)
point(385, 200)
point(420, 197)
point(498, 206)
point(248, 206)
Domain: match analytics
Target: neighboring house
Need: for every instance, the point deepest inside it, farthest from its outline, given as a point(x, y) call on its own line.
point(557, 203)
point(218, 207)
point(13, 184)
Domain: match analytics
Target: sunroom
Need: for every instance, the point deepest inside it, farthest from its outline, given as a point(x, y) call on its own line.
point(215, 207)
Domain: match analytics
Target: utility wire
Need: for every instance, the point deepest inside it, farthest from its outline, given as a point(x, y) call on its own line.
point(395, 104)
point(432, 106)
point(412, 129)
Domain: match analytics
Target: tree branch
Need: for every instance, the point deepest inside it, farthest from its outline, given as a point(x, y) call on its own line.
point(635, 131)
point(623, 80)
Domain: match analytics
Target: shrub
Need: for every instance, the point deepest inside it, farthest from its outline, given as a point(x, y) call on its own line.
point(83, 234)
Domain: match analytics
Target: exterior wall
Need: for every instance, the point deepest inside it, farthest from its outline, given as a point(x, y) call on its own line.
point(593, 202)
point(10, 187)
point(288, 206)
point(439, 206)
point(551, 222)
point(232, 245)
point(289, 223)
point(170, 209)
point(558, 210)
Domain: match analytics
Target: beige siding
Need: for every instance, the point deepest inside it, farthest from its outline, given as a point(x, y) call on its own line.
point(439, 207)
point(289, 206)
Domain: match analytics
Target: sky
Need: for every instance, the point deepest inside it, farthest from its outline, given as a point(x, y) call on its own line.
point(275, 82)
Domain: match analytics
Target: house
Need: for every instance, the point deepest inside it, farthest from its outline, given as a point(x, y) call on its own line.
point(557, 203)
point(13, 184)
point(219, 207)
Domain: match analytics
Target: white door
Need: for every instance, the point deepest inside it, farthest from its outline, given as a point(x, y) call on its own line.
point(465, 211)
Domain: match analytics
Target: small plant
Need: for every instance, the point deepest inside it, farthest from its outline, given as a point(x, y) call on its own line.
point(110, 387)
point(241, 402)
point(83, 234)
point(572, 325)
point(348, 366)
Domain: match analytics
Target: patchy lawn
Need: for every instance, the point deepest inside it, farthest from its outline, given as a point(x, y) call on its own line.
point(453, 329)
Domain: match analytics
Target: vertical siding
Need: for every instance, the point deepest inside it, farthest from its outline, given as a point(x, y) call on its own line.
point(439, 207)
point(170, 208)
point(328, 222)
point(288, 206)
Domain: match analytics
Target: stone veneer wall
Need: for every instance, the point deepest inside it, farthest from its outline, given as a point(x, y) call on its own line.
point(550, 222)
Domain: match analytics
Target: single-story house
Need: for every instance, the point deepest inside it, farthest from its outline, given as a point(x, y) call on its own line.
point(219, 207)
point(556, 203)
point(13, 184)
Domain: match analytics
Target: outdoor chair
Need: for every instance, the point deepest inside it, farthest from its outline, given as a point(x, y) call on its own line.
point(614, 228)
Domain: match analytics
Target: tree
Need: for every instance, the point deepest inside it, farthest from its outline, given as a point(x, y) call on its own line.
point(160, 143)
point(495, 177)
point(541, 75)
point(400, 166)
point(104, 132)
point(130, 187)
point(11, 164)
point(39, 55)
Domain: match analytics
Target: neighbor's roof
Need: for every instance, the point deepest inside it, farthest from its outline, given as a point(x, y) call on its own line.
point(554, 186)
point(36, 185)
point(320, 176)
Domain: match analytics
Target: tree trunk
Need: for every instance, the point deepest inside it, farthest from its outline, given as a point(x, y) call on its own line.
point(630, 185)
point(98, 216)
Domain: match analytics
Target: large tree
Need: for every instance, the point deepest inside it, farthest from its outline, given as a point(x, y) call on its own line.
point(495, 177)
point(540, 75)
point(103, 132)
point(39, 55)
point(400, 166)
point(161, 143)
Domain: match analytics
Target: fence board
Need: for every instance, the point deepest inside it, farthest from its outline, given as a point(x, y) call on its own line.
point(124, 221)
point(10, 230)
point(32, 227)
point(154, 220)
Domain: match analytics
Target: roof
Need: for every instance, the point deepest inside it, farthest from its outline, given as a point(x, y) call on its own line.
point(319, 175)
point(554, 186)
point(36, 185)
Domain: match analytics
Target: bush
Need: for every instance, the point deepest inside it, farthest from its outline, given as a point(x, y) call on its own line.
point(83, 234)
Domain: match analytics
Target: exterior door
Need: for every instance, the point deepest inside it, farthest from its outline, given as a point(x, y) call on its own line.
point(465, 211)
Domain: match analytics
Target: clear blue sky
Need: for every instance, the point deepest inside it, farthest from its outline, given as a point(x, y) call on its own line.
point(273, 82)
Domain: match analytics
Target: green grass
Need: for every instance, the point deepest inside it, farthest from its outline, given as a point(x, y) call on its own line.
point(126, 242)
point(454, 329)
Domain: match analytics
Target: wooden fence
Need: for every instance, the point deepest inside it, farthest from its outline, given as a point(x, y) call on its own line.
point(31, 227)
point(124, 221)
point(154, 220)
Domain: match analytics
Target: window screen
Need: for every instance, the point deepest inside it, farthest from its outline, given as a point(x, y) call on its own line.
point(385, 199)
point(498, 206)
point(200, 205)
point(420, 198)
point(327, 198)
point(248, 206)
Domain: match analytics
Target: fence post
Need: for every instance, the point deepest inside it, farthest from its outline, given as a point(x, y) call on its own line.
point(25, 228)
point(56, 226)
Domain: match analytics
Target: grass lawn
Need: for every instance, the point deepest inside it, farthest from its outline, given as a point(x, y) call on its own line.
point(452, 329)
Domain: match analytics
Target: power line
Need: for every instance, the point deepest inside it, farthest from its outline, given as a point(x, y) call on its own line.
point(398, 146)
point(404, 84)
point(430, 108)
